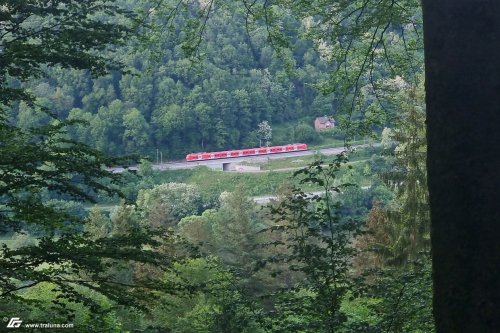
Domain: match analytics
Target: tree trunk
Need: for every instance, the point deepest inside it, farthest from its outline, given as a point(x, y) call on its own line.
point(462, 59)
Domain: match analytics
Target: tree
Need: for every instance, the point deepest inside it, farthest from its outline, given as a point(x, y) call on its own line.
point(203, 122)
point(28, 117)
point(176, 200)
point(47, 165)
point(107, 127)
point(462, 116)
point(376, 244)
point(305, 133)
point(235, 229)
point(214, 305)
point(319, 245)
point(408, 215)
point(265, 132)
point(29, 41)
point(136, 132)
point(198, 230)
point(403, 300)
point(41, 162)
point(80, 131)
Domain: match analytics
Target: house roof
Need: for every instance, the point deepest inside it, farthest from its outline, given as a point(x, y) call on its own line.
point(325, 119)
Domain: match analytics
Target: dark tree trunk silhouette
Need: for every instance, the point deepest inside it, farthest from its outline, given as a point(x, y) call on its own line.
point(462, 58)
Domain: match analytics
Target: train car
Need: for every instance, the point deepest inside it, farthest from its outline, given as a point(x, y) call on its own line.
point(246, 152)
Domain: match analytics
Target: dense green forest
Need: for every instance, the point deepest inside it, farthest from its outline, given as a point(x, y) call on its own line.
point(344, 246)
point(179, 105)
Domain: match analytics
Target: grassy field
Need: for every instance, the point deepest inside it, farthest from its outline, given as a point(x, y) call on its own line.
point(212, 183)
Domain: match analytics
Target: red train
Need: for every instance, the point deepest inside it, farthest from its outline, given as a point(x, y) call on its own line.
point(246, 152)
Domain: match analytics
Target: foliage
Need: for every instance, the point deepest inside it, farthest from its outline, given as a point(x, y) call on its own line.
point(178, 105)
point(265, 132)
point(175, 199)
point(231, 232)
point(198, 230)
point(305, 133)
point(68, 33)
point(209, 183)
point(377, 244)
point(215, 305)
point(239, 81)
point(404, 300)
point(235, 228)
point(358, 43)
point(46, 294)
point(409, 214)
point(357, 201)
point(40, 166)
point(319, 246)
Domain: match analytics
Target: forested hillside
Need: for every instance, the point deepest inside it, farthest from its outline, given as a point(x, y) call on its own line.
point(180, 105)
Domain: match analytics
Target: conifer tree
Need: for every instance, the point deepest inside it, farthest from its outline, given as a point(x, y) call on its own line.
point(40, 162)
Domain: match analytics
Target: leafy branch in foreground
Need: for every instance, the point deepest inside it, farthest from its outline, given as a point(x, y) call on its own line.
point(41, 170)
point(318, 246)
point(405, 299)
point(69, 33)
point(42, 164)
